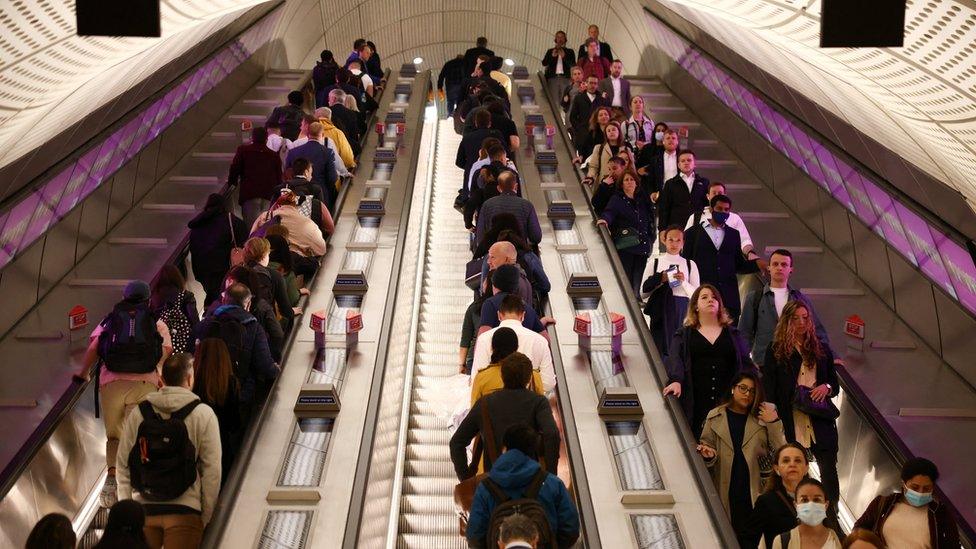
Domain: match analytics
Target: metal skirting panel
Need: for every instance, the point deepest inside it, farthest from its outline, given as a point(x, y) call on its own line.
point(305, 456)
point(633, 455)
point(286, 530)
point(657, 532)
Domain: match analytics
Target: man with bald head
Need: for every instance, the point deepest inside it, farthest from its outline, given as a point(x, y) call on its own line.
point(534, 278)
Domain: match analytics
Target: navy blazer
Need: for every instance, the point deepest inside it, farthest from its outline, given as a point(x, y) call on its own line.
point(636, 213)
point(719, 267)
point(675, 204)
point(323, 164)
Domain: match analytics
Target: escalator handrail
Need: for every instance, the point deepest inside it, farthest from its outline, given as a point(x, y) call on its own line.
point(702, 477)
point(235, 479)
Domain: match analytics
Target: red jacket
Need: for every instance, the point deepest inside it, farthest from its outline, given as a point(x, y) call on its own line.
point(942, 528)
point(257, 169)
point(600, 67)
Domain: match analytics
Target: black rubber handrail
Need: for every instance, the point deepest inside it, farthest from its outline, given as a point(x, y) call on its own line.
point(702, 477)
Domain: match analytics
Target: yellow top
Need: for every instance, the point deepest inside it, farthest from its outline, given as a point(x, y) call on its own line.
point(489, 380)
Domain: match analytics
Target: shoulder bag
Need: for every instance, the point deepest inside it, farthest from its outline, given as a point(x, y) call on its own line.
point(464, 490)
point(236, 252)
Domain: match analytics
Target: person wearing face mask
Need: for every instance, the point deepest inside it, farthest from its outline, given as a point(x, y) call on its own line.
point(669, 281)
point(912, 518)
point(737, 434)
point(704, 357)
point(773, 512)
point(811, 508)
point(716, 248)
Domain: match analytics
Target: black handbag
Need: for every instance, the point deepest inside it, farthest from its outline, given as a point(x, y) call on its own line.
point(626, 238)
point(803, 402)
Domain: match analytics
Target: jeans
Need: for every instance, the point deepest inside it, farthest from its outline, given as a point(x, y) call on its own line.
point(174, 531)
point(453, 97)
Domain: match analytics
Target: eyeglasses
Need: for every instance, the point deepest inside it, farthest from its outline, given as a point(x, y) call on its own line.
point(745, 389)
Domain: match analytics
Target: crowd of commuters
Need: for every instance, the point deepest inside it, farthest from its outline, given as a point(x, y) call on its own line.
point(756, 381)
point(180, 381)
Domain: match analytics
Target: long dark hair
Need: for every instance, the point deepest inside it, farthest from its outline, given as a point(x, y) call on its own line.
point(53, 531)
point(501, 222)
point(167, 286)
point(280, 253)
point(758, 397)
point(124, 529)
point(503, 343)
point(214, 376)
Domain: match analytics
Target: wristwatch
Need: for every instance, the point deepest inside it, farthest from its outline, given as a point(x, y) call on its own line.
point(829, 387)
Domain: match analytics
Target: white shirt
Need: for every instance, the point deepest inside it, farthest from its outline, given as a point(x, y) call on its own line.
point(592, 96)
point(689, 179)
point(716, 234)
point(481, 163)
point(670, 164)
point(531, 344)
point(780, 297)
point(364, 78)
point(687, 266)
point(735, 221)
point(559, 65)
point(615, 82)
point(275, 142)
point(340, 165)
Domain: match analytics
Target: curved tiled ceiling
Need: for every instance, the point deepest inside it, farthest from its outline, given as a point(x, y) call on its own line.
point(50, 77)
point(919, 100)
point(436, 30)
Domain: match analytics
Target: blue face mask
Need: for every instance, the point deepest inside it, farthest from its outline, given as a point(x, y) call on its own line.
point(811, 513)
point(720, 217)
point(659, 136)
point(917, 499)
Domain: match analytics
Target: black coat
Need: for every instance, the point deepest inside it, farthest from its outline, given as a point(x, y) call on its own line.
point(772, 514)
point(300, 186)
point(675, 204)
point(350, 124)
point(679, 363)
point(779, 383)
point(631, 213)
point(211, 240)
point(652, 158)
point(719, 267)
point(467, 152)
point(471, 58)
point(549, 62)
point(580, 110)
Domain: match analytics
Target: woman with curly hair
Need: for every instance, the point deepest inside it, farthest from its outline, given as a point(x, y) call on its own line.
point(800, 378)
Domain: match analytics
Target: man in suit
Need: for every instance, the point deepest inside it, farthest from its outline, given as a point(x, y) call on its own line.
point(322, 160)
point(583, 105)
point(346, 120)
point(682, 195)
point(559, 59)
point(616, 88)
point(716, 250)
point(657, 167)
point(592, 64)
point(471, 55)
point(604, 49)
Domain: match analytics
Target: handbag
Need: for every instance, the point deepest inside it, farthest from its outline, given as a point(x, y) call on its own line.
point(803, 402)
point(236, 252)
point(464, 490)
point(626, 238)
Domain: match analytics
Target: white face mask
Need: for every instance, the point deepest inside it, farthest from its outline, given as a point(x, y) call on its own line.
point(811, 513)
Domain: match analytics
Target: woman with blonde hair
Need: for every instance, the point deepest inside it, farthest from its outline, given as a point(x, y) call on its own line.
point(800, 379)
point(705, 355)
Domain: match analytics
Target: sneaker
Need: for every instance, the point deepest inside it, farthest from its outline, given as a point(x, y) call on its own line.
point(110, 494)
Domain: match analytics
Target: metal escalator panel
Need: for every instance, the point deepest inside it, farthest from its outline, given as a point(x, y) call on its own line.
point(427, 518)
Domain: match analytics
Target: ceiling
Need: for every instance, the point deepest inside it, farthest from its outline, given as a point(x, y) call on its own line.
point(50, 77)
point(919, 101)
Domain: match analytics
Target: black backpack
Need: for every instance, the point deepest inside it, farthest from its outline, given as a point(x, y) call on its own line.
point(130, 342)
point(290, 119)
point(231, 332)
point(163, 460)
point(528, 505)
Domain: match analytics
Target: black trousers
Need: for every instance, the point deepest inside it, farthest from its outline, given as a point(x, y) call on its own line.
point(634, 267)
point(827, 462)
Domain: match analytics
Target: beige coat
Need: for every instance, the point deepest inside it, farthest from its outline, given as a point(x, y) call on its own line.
point(758, 437)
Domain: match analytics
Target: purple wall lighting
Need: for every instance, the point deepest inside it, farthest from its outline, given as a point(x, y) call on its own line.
point(25, 221)
point(944, 261)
